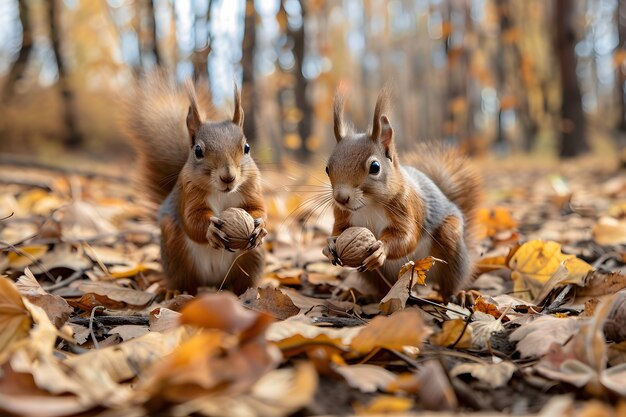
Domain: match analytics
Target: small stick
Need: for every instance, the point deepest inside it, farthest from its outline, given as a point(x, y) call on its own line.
point(93, 335)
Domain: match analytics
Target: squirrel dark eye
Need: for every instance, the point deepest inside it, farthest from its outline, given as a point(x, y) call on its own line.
point(375, 167)
point(327, 171)
point(246, 148)
point(197, 150)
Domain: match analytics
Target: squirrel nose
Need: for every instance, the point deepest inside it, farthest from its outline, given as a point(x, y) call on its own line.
point(227, 179)
point(342, 198)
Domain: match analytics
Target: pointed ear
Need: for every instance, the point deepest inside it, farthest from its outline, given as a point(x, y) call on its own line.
point(382, 105)
point(338, 117)
point(193, 114)
point(386, 132)
point(238, 116)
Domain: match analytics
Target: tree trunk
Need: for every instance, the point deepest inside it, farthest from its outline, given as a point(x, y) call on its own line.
point(305, 123)
point(202, 43)
point(572, 126)
point(73, 138)
point(248, 89)
point(17, 69)
point(152, 33)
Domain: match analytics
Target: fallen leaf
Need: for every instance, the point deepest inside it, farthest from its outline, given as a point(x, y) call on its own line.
point(495, 375)
point(57, 309)
point(535, 338)
point(455, 332)
point(609, 231)
point(383, 405)
point(411, 274)
point(162, 319)
point(117, 293)
point(63, 256)
point(495, 220)
point(366, 378)
point(403, 328)
point(435, 392)
point(483, 326)
point(129, 331)
point(27, 255)
point(271, 301)
point(534, 263)
point(15, 320)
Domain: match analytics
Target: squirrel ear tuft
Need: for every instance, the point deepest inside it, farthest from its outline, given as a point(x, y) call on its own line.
point(338, 117)
point(386, 132)
point(193, 115)
point(238, 116)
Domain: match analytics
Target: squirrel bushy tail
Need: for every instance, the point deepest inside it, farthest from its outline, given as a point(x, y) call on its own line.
point(153, 116)
point(455, 177)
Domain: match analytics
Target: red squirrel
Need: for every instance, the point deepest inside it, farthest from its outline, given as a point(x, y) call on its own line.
point(195, 169)
point(413, 211)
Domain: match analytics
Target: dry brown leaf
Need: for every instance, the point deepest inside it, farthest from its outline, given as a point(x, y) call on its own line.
point(15, 320)
point(162, 319)
point(411, 274)
point(404, 328)
point(366, 378)
point(63, 256)
point(483, 326)
point(129, 331)
point(435, 391)
point(223, 311)
point(271, 301)
point(57, 309)
point(117, 293)
point(495, 375)
point(535, 338)
point(455, 332)
point(610, 231)
point(293, 335)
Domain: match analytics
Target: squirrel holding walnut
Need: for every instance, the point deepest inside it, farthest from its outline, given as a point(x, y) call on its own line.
point(197, 169)
point(413, 211)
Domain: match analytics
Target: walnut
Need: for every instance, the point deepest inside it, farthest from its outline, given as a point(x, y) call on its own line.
point(353, 245)
point(238, 225)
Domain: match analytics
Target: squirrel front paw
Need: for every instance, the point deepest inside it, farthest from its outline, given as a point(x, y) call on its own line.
point(376, 259)
point(257, 235)
point(216, 237)
point(330, 251)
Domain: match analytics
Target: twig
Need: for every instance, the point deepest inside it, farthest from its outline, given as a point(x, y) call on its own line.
point(93, 335)
point(75, 276)
point(112, 320)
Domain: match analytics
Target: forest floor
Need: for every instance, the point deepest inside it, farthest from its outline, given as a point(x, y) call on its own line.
point(88, 328)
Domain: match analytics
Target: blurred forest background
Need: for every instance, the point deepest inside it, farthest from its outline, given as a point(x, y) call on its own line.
point(494, 76)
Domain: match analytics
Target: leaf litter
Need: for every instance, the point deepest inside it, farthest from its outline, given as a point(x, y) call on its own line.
point(87, 326)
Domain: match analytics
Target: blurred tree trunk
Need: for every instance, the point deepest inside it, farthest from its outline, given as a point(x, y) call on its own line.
point(248, 89)
point(202, 48)
point(621, 79)
point(73, 139)
point(17, 69)
point(151, 36)
point(572, 126)
point(305, 123)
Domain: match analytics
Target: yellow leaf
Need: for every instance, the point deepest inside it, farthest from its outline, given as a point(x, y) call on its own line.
point(534, 263)
point(455, 332)
point(15, 321)
point(128, 271)
point(26, 256)
point(419, 268)
point(411, 274)
point(495, 220)
point(385, 404)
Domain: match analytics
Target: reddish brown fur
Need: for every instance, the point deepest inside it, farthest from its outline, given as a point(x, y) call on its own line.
point(403, 205)
point(155, 118)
